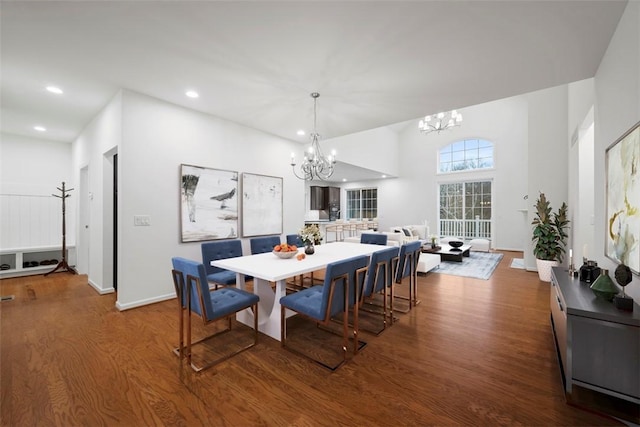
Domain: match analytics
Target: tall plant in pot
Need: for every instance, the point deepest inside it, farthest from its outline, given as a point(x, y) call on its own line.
point(549, 235)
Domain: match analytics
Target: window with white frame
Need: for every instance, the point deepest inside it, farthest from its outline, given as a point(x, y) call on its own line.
point(468, 154)
point(362, 203)
point(465, 209)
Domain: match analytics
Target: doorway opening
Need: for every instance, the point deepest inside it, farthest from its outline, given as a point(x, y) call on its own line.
point(115, 221)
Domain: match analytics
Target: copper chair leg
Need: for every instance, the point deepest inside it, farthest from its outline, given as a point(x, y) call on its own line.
point(283, 327)
point(255, 324)
point(345, 322)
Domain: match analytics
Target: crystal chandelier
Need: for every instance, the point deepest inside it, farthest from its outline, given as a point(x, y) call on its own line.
point(439, 122)
point(315, 164)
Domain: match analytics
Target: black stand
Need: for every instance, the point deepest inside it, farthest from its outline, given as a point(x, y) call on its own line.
point(623, 302)
point(62, 265)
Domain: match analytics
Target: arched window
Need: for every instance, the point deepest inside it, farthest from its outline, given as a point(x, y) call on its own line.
point(469, 154)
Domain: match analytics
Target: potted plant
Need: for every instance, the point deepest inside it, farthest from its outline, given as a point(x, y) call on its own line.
point(549, 235)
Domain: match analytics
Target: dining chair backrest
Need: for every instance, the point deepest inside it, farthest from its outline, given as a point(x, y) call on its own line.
point(260, 245)
point(340, 272)
point(381, 270)
point(294, 239)
point(357, 277)
point(192, 270)
point(408, 259)
point(373, 238)
point(220, 249)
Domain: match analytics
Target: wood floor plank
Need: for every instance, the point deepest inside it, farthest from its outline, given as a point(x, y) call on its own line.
point(474, 352)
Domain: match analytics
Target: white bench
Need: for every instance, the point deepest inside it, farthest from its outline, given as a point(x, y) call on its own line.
point(427, 262)
point(480, 245)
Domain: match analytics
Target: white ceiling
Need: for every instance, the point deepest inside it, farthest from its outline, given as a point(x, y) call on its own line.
point(374, 63)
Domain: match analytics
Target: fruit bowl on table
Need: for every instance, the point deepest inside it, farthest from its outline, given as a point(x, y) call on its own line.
point(285, 255)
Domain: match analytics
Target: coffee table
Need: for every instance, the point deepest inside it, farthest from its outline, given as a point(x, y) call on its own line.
point(449, 253)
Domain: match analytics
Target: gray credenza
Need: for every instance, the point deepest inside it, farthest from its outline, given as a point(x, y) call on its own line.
point(598, 345)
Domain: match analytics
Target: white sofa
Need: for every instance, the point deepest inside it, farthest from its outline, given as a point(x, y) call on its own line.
point(420, 232)
point(393, 239)
point(426, 261)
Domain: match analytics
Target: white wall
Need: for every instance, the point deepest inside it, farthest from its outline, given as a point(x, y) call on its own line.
point(547, 153)
point(413, 198)
point(156, 138)
point(617, 108)
point(31, 170)
point(581, 177)
point(584, 241)
point(375, 149)
point(103, 135)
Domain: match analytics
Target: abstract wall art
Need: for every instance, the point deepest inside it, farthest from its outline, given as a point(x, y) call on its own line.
point(623, 200)
point(261, 205)
point(209, 203)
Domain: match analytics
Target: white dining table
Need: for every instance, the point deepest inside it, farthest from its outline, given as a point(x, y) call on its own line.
point(267, 267)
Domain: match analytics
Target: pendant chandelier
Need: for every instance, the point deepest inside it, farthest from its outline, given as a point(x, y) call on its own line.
point(439, 122)
point(314, 164)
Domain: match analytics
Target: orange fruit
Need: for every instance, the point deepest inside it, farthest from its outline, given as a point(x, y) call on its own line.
point(277, 248)
point(300, 257)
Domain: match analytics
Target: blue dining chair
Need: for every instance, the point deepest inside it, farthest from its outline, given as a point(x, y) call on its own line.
point(373, 238)
point(260, 245)
point(295, 239)
point(195, 297)
point(379, 279)
point(407, 267)
point(220, 249)
point(321, 303)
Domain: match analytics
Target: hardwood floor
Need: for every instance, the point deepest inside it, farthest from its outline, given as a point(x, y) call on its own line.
point(474, 352)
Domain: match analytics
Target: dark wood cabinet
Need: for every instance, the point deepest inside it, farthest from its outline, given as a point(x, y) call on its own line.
point(598, 345)
point(334, 196)
point(321, 197)
point(317, 198)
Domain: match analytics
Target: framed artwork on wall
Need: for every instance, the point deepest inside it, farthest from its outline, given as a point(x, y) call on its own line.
point(623, 200)
point(261, 205)
point(208, 203)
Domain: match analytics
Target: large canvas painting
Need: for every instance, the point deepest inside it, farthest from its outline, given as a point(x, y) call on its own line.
point(623, 200)
point(209, 203)
point(261, 205)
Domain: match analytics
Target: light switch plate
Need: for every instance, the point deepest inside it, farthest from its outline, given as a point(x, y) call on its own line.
point(141, 220)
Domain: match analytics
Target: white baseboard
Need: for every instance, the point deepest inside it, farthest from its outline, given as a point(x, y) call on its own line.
point(99, 289)
point(507, 249)
point(143, 302)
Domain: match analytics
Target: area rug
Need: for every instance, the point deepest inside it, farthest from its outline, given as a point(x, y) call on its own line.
point(517, 263)
point(479, 265)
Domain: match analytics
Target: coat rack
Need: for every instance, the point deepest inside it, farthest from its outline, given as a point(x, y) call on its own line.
point(63, 264)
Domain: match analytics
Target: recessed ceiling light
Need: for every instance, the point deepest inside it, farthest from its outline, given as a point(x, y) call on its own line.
point(344, 179)
point(40, 128)
point(384, 176)
point(192, 94)
point(300, 132)
point(55, 89)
